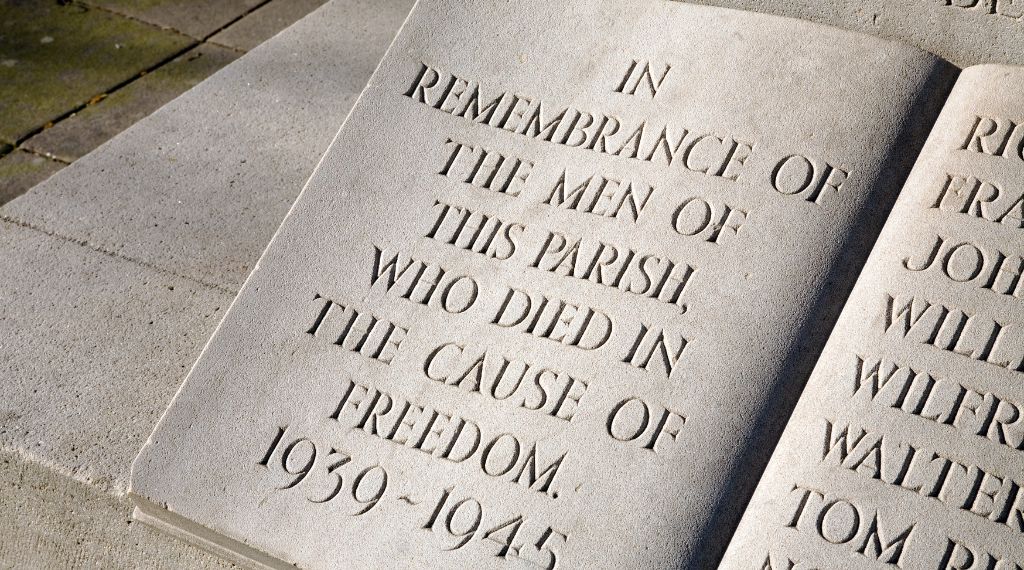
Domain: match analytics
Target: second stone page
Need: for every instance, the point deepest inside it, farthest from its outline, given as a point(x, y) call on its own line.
point(905, 448)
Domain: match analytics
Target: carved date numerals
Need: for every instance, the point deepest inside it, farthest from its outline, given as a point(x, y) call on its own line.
point(465, 519)
point(301, 457)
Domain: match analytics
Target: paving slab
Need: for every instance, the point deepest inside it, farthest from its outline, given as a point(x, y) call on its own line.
point(20, 170)
point(200, 186)
point(94, 341)
point(76, 319)
point(264, 22)
point(51, 522)
point(77, 135)
point(965, 32)
point(54, 57)
point(197, 18)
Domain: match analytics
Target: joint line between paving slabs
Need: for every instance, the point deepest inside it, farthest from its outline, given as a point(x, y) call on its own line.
point(111, 11)
point(192, 45)
point(45, 155)
point(225, 46)
point(236, 19)
point(98, 249)
point(106, 93)
point(101, 8)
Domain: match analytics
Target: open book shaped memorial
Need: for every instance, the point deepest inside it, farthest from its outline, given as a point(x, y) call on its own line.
point(553, 291)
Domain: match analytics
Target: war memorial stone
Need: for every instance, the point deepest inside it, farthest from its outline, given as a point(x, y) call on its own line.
point(150, 236)
point(548, 296)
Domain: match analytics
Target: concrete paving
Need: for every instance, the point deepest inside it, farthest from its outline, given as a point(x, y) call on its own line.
point(20, 170)
point(196, 18)
point(56, 57)
point(73, 74)
point(115, 272)
point(76, 320)
point(52, 522)
point(264, 22)
point(87, 129)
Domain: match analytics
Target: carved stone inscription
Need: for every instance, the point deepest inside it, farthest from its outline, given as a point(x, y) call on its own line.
point(906, 449)
point(1009, 9)
point(530, 305)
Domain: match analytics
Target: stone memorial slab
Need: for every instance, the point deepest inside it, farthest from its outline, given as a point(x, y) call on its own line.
point(905, 448)
point(549, 296)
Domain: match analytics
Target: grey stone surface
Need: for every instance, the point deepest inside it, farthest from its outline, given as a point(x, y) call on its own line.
point(916, 463)
point(20, 170)
point(965, 32)
point(77, 135)
point(76, 320)
point(264, 22)
point(54, 57)
point(200, 186)
point(306, 418)
point(197, 18)
point(93, 338)
point(51, 522)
